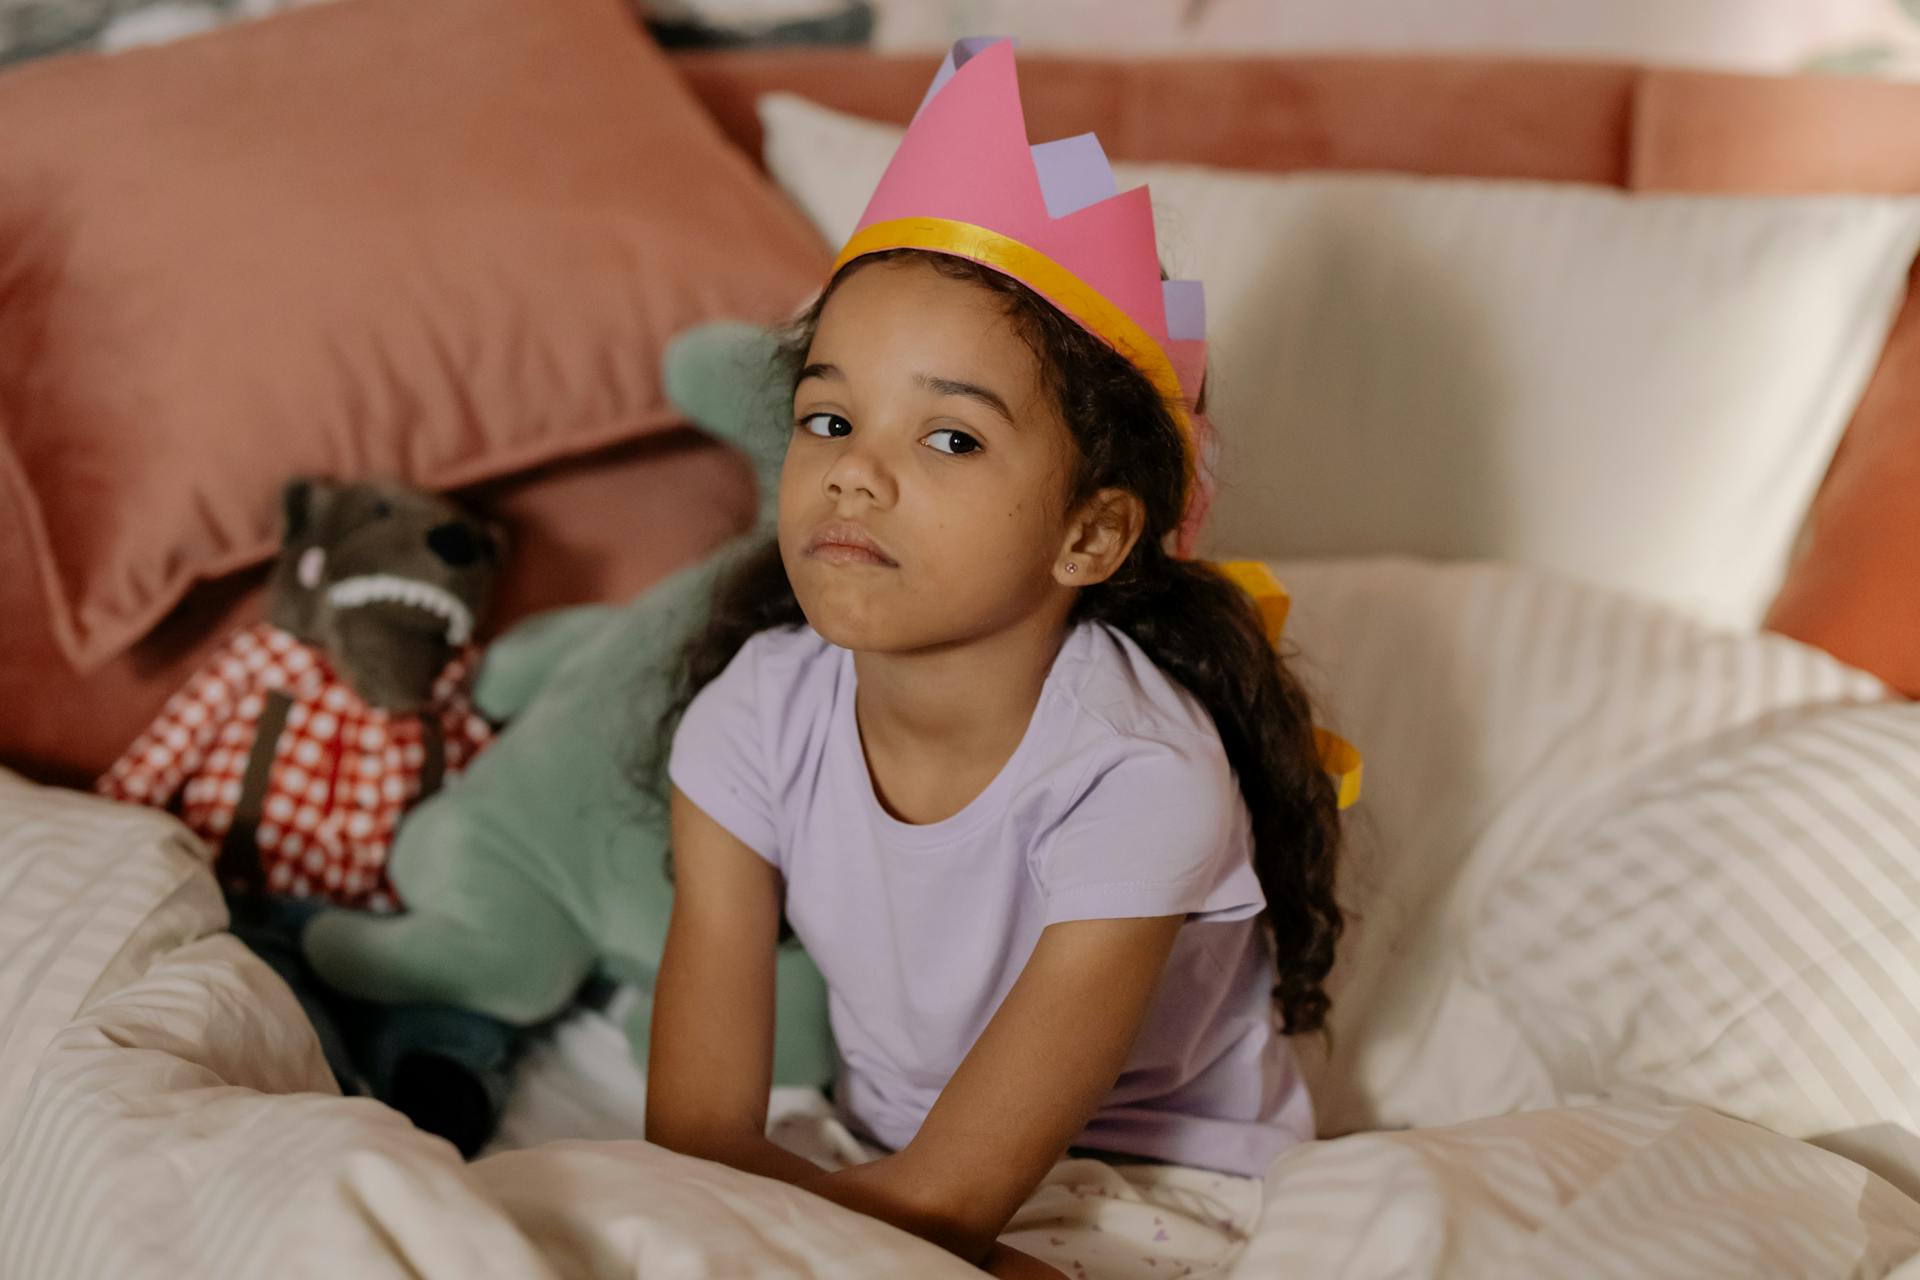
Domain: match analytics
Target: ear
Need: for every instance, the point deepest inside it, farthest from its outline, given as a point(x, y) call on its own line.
point(1100, 538)
point(301, 504)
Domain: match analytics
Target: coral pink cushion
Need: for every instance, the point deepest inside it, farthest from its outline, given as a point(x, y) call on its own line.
point(439, 239)
point(1855, 590)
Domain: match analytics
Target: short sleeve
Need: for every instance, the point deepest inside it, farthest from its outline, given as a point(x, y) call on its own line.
point(718, 759)
point(1160, 830)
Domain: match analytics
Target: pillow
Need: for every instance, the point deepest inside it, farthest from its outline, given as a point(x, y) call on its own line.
point(1852, 589)
point(36, 28)
point(697, 24)
point(1742, 932)
point(158, 21)
point(1502, 711)
point(1643, 391)
point(1752, 35)
point(444, 240)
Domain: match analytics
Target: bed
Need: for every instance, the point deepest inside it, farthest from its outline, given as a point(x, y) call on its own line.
point(1636, 889)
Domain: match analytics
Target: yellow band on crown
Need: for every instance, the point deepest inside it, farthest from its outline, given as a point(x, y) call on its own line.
point(1046, 277)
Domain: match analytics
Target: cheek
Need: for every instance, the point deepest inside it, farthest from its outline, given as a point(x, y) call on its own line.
point(997, 539)
point(799, 485)
point(792, 470)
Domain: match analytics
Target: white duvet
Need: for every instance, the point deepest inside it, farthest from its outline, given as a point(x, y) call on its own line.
point(1634, 923)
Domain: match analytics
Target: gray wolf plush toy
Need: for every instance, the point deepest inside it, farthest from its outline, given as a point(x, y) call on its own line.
point(296, 750)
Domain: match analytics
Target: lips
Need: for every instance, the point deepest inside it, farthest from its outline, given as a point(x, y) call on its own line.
point(845, 543)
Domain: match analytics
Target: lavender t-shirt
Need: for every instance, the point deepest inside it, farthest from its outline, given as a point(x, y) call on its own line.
point(1118, 802)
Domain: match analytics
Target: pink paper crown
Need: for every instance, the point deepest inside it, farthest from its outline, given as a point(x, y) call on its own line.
point(965, 181)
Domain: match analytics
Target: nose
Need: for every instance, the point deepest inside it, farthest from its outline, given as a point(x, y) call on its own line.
point(856, 472)
point(454, 543)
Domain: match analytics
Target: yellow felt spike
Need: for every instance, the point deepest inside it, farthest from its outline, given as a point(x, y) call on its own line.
point(1269, 597)
point(1338, 756)
point(1341, 759)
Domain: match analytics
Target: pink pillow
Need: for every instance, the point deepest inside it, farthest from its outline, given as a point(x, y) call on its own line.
point(439, 239)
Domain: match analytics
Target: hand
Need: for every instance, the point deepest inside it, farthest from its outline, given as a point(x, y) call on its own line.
point(888, 1189)
point(1009, 1263)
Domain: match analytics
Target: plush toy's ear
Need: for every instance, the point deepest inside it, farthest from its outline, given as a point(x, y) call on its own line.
point(301, 503)
point(727, 378)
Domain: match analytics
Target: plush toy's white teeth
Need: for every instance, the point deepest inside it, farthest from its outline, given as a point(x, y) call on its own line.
point(371, 588)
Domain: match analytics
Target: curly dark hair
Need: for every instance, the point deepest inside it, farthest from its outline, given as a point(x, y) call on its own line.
point(1196, 626)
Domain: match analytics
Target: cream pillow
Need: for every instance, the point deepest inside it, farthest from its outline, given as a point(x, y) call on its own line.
point(1750, 35)
point(1641, 391)
point(1742, 932)
point(1504, 713)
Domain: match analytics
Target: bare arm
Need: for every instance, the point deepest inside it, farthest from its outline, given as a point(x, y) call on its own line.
point(1030, 1083)
point(710, 1062)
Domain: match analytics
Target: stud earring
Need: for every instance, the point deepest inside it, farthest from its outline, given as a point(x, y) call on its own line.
point(1072, 567)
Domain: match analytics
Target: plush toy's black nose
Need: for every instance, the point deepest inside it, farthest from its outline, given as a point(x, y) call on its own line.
point(454, 543)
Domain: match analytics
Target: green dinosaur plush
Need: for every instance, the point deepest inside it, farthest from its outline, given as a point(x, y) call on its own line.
point(543, 861)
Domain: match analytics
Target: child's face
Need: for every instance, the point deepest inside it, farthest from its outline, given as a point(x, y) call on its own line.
point(923, 501)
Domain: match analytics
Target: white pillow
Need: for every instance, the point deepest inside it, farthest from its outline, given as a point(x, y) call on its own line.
point(1642, 391)
point(1754, 35)
point(1503, 713)
point(1743, 933)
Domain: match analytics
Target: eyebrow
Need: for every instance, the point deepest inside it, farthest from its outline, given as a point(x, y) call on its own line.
point(932, 382)
point(971, 390)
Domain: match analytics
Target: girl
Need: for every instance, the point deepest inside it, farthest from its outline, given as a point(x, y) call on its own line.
point(1021, 781)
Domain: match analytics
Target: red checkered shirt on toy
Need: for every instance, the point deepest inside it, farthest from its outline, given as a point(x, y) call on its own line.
point(342, 772)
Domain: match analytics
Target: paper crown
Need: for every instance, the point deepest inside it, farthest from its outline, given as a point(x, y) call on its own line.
point(965, 181)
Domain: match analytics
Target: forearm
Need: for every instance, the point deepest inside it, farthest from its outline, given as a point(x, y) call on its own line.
point(899, 1191)
point(891, 1191)
point(745, 1150)
point(888, 1196)
point(1009, 1263)
point(710, 1056)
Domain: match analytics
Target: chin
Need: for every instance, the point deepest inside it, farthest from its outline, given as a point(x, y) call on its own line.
point(854, 611)
point(845, 619)
point(858, 639)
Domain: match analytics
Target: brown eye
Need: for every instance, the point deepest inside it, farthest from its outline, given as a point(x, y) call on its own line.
point(948, 441)
point(830, 426)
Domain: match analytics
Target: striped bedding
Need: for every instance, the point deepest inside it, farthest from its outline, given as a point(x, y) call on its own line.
point(1634, 909)
point(1503, 715)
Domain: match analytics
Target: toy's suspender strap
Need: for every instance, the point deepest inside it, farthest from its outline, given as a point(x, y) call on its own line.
point(239, 860)
point(433, 768)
